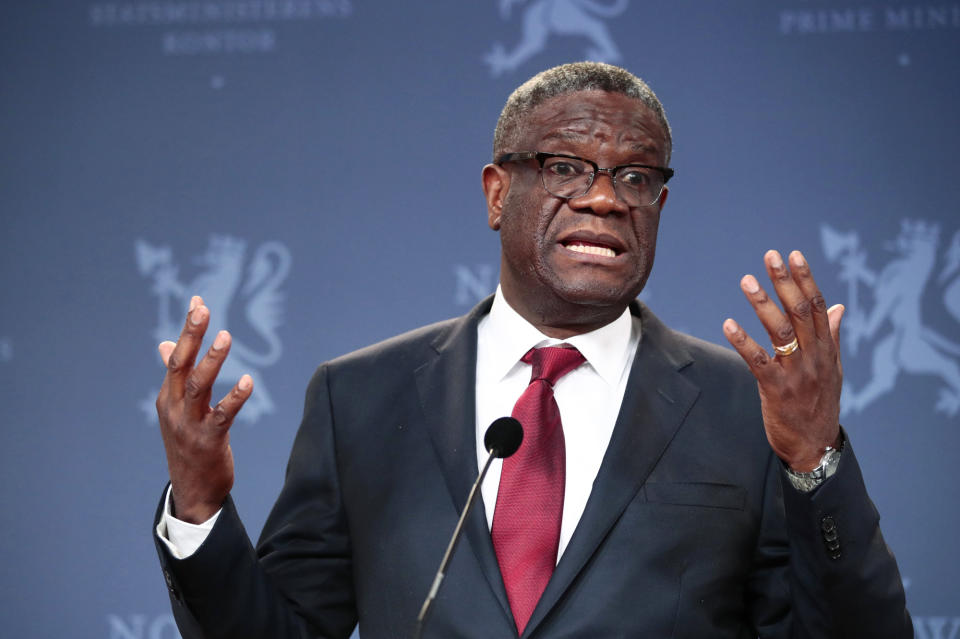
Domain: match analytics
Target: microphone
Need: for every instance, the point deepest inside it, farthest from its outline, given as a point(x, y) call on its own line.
point(501, 440)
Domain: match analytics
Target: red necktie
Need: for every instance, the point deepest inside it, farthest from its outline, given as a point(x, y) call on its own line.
point(526, 521)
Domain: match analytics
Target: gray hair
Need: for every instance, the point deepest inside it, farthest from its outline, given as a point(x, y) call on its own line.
point(570, 78)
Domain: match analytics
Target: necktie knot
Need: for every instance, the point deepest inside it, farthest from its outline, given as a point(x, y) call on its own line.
point(552, 362)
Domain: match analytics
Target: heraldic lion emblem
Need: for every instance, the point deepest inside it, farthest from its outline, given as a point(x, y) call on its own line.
point(894, 327)
point(542, 18)
point(222, 285)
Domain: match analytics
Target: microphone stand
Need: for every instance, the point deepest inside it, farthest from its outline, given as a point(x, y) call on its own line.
point(441, 572)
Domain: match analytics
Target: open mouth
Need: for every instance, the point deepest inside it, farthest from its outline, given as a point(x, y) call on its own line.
point(578, 246)
point(585, 242)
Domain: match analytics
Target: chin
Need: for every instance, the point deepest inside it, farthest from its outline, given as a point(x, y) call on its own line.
point(593, 284)
point(597, 293)
point(597, 289)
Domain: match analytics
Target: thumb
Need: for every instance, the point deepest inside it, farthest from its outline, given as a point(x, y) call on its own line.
point(165, 349)
point(834, 317)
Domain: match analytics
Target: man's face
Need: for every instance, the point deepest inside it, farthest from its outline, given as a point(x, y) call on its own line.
point(587, 256)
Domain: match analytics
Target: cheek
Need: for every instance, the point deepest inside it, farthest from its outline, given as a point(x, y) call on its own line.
point(527, 218)
point(518, 233)
point(645, 230)
point(645, 234)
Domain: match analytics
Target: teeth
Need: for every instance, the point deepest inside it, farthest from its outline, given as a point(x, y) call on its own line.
point(592, 250)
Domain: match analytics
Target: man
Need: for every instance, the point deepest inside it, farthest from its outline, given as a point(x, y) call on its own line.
point(674, 501)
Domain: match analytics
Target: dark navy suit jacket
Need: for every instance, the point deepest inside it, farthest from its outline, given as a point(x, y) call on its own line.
point(690, 531)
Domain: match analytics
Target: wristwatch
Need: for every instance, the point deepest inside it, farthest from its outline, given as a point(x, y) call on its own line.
point(806, 482)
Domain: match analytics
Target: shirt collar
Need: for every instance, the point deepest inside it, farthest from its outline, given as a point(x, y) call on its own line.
point(606, 349)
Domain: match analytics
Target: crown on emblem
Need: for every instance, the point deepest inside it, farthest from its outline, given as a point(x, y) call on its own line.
point(919, 230)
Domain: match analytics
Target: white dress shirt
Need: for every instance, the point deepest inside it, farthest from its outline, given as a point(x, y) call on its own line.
point(589, 399)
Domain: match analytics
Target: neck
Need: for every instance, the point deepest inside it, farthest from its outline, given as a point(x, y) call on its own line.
point(560, 319)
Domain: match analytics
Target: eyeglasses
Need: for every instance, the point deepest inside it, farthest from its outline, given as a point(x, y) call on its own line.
point(567, 176)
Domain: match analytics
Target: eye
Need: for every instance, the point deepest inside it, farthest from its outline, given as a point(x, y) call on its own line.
point(633, 176)
point(563, 168)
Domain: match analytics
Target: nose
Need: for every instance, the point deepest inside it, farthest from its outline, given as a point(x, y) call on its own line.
point(601, 198)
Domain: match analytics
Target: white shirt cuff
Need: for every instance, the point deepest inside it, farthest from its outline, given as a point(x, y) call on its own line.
point(181, 538)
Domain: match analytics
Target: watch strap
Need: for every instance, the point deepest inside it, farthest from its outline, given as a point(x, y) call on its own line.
point(806, 482)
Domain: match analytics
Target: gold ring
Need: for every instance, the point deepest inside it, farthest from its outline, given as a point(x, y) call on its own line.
point(787, 349)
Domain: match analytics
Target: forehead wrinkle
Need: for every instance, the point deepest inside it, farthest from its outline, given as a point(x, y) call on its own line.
point(640, 147)
point(570, 136)
point(566, 135)
point(632, 133)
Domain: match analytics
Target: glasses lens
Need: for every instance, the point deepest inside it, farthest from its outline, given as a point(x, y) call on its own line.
point(571, 177)
point(566, 177)
point(639, 186)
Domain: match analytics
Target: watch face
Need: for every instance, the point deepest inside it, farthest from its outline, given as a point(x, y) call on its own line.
point(829, 463)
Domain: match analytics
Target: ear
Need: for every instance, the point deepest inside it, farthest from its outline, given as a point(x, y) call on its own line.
point(663, 197)
point(496, 183)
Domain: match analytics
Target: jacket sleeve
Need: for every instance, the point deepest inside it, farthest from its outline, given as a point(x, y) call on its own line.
point(298, 583)
point(841, 579)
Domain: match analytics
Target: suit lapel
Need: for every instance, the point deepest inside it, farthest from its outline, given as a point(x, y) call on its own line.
point(657, 400)
point(446, 384)
point(655, 404)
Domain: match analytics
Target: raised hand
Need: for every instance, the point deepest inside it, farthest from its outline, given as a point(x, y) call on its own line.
point(197, 436)
point(800, 385)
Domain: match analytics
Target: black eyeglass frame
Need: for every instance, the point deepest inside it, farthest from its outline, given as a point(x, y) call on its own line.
point(542, 156)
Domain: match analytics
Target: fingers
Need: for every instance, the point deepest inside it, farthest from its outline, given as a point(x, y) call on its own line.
point(810, 293)
point(752, 353)
point(226, 410)
point(797, 309)
point(804, 316)
point(193, 386)
point(199, 383)
point(180, 360)
point(778, 326)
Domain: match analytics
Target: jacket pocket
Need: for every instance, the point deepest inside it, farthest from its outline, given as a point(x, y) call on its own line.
point(702, 494)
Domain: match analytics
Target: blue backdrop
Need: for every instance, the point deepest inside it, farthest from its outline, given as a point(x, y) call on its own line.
point(313, 166)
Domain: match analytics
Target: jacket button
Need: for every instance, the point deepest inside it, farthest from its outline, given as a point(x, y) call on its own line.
point(827, 524)
point(831, 537)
